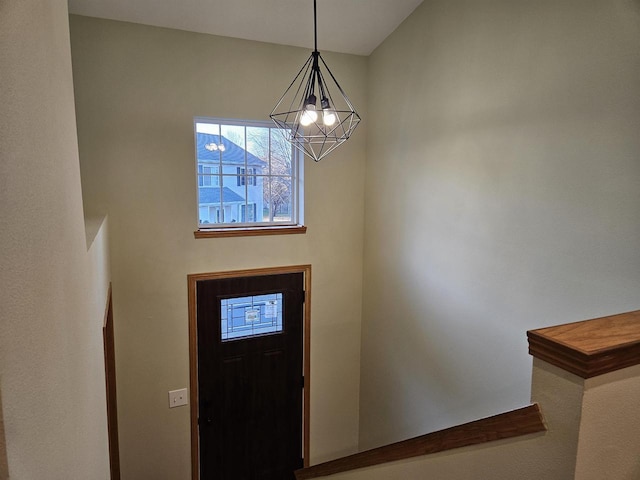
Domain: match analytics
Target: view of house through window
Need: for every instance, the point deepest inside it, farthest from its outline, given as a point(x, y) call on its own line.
point(247, 175)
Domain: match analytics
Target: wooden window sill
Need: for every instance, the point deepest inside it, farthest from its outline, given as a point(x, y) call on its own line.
point(249, 232)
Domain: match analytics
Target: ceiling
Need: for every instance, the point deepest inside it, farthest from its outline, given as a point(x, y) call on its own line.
point(347, 26)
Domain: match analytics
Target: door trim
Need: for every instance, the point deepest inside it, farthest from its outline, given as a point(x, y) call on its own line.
point(108, 340)
point(192, 281)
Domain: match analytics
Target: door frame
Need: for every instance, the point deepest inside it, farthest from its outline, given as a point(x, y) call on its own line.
point(192, 280)
point(108, 341)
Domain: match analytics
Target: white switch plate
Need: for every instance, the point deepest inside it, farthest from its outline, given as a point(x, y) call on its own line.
point(177, 398)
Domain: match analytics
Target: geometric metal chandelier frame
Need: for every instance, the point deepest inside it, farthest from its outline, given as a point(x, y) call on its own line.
point(315, 132)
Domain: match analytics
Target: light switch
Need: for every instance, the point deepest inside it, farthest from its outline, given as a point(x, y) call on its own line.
point(178, 398)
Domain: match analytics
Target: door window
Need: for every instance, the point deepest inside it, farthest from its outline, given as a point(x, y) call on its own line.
point(249, 316)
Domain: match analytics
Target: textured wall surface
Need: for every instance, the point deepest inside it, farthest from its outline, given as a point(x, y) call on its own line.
point(609, 443)
point(502, 194)
point(52, 290)
point(137, 90)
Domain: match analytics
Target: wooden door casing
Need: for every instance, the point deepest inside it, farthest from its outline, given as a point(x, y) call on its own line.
point(241, 356)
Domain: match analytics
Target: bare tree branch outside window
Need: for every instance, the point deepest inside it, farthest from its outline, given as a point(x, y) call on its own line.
point(277, 194)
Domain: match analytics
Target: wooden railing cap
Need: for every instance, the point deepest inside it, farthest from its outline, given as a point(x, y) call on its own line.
point(590, 347)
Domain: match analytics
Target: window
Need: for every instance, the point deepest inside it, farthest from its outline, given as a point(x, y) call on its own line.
point(248, 176)
point(207, 176)
point(243, 317)
point(249, 180)
point(248, 213)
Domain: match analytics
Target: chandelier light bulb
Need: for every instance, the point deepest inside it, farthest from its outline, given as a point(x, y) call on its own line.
point(329, 118)
point(328, 115)
point(308, 116)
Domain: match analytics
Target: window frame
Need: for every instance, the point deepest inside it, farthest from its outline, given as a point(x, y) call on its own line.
point(247, 176)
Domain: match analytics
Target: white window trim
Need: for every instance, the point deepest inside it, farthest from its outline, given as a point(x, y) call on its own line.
point(296, 225)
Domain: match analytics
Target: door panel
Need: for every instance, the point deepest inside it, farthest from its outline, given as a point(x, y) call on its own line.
point(249, 335)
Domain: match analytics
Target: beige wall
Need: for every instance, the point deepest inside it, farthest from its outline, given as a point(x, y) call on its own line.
point(609, 441)
point(509, 155)
point(549, 455)
point(137, 90)
point(52, 290)
point(502, 194)
point(591, 434)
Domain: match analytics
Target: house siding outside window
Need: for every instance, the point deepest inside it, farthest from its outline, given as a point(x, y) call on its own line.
point(247, 175)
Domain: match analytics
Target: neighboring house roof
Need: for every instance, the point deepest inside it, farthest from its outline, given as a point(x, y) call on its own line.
point(212, 195)
point(233, 153)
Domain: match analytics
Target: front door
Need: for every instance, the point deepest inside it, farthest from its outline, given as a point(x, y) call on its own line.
point(250, 376)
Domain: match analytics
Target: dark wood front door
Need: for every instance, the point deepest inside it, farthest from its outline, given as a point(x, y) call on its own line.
point(250, 376)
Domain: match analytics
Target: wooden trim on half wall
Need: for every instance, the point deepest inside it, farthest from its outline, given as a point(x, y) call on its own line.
point(192, 281)
point(524, 421)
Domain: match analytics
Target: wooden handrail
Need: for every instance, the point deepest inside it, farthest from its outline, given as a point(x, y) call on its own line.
point(519, 422)
point(591, 347)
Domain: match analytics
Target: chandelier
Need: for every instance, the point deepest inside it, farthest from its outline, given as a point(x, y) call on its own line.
point(315, 131)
